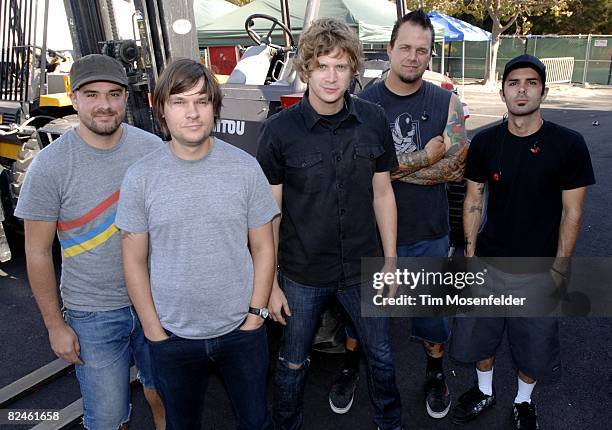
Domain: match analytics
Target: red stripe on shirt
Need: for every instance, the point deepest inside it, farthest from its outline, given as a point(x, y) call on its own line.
point(67, 225)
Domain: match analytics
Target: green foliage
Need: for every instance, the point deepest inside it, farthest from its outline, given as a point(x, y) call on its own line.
point(588, 16)
point(239, 2)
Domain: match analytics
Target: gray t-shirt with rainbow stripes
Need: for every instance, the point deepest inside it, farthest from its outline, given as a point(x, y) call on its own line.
point(77, 186)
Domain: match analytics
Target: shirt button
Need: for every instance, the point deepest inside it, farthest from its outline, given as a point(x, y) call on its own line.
point(342, 211)
point(371, 155)
point(338, 158)
point(340, 185)
point(335, 131)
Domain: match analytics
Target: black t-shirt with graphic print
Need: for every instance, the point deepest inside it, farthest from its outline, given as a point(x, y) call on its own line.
point(422, 210)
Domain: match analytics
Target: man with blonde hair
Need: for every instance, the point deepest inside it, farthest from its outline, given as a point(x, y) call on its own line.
point(328, 160)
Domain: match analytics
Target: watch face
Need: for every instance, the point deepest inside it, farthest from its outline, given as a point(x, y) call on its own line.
point(264, 313)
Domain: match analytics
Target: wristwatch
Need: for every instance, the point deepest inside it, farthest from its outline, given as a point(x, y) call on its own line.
point(260, 312)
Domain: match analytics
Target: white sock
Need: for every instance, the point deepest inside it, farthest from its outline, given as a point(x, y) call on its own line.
point(485, 381)
point(524, 392)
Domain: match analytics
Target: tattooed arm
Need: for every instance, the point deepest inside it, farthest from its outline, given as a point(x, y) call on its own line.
point(472, 214)
point(451, 167)
point(413, 161)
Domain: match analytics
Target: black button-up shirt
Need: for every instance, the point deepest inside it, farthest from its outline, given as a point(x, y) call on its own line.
point(326, 169)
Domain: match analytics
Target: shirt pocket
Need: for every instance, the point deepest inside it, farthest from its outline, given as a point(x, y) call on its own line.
point(305, 172)
point(366, 157)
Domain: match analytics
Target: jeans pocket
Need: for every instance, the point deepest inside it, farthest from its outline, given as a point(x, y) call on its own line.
point(252, 331)
point(159, 342)
point(78, 315)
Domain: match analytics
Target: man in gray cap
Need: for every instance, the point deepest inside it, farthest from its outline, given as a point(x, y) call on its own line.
point(536, 173)
point(72, 189)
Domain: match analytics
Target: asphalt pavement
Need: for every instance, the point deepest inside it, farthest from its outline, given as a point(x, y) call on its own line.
point(582, 397)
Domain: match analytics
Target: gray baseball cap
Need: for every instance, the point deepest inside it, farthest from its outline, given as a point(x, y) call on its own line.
point(94, 68)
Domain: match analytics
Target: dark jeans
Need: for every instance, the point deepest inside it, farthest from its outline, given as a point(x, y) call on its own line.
point(181, 374)
point(431, 329)
point(307, 303)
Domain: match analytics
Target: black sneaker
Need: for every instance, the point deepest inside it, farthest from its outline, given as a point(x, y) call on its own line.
point(471, 404)
point(343, 389)
point(437, 395)
point(525, 416)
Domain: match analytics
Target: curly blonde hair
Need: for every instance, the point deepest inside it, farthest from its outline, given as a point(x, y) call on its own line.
point(322, 37)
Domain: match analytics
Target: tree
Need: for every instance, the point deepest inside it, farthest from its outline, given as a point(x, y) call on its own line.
point(239, 2)
point(503, 14)
point(588, 16)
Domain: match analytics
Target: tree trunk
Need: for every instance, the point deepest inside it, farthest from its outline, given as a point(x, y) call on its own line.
point(490, 78)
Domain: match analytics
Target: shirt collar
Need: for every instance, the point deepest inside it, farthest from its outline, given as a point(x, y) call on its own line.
point(312, 117)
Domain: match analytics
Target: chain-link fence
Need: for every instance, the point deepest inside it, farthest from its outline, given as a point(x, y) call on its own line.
point(592, 55)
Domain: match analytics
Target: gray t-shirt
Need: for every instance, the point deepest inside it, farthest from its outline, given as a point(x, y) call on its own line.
point(197, 215)
point(77, 186)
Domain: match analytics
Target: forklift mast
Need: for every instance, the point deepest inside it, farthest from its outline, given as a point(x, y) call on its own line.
point(164, 29)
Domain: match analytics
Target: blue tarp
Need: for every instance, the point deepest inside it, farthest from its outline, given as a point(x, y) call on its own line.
point(457, 30)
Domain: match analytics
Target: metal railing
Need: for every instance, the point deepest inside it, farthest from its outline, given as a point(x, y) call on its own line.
point(17, 25)
point(559, 70)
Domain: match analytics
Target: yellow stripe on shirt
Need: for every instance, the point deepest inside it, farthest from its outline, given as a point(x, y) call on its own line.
point(91, 243)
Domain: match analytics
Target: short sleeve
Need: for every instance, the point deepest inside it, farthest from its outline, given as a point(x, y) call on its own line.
point(577, 168)
point(269, 155)
point(388, 161)
point(40, 196)
point(131, 212)
point(476, 165)
point(262, 206)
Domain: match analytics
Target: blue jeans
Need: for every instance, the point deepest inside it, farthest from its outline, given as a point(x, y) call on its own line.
point(433, 330)
point(181, 374)
point(307, 303)
point(109, 341)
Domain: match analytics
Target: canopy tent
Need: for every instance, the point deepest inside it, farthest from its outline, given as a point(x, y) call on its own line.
point(208, 11)
point(372, 18)
point(457, 30)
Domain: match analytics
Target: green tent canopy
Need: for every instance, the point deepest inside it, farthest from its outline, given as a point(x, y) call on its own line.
point(208, 11)
point(373, 19)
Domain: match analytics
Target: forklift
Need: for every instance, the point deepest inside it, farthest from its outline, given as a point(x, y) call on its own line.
point(34, 105)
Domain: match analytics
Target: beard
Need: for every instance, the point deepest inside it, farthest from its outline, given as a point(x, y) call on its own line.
point(409, 79)
point(106, 129)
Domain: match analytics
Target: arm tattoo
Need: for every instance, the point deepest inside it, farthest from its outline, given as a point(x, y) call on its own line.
point(126, 234)
point(452, 166)
point(410, 163)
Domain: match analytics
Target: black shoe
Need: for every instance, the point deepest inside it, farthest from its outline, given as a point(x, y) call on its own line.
point(437, 395)
point(343, 389)
point(525, 416)
point(471, 404)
